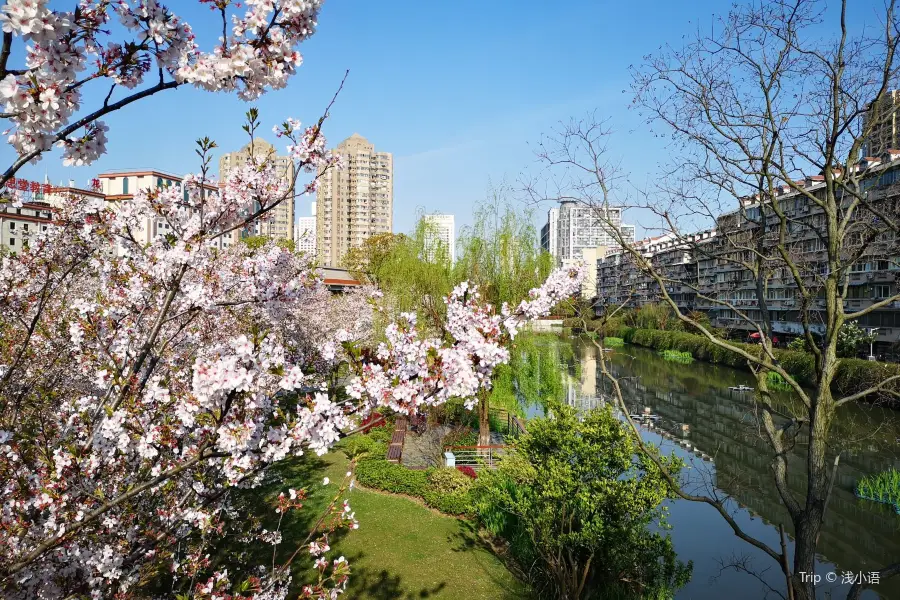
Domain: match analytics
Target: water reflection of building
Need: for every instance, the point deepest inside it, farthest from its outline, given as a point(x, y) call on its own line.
point(723, 424)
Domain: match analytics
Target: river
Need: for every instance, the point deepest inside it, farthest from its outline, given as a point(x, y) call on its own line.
point(716, 431)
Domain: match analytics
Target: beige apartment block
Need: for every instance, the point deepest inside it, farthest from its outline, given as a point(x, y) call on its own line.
point(121, 186)
point(280, 224)
point(355, 202)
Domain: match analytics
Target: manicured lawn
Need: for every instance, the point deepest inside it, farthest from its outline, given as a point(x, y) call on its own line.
point(402, 549)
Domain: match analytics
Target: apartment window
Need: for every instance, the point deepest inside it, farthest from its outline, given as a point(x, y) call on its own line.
point(881, 291)
point(12, 226)
point(25, 226)
point(125, 185)
point(12, 241)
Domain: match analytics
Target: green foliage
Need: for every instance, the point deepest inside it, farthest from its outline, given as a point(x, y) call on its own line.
point(881, 487)
point(503, 390)
point(459, 504)
point(654, 315)
point(446, 490)
point(460, 436)
point(677, 356)
point(357, 446)
point(380, 474)
point(532, 375)
point(382, 434)
point(613, 342)
point(776, 382)
point(449, 481)
point(850, 337)
point(449, 492)
point(579, 488)
point(500, 252)
point(255, 242)
point(798, 344)
point(367, 261)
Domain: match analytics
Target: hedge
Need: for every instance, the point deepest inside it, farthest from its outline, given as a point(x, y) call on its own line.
point(446, 490)
point(379, 474)
point(853, 375)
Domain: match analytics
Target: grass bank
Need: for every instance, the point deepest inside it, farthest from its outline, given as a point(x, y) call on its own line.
point(402, 549)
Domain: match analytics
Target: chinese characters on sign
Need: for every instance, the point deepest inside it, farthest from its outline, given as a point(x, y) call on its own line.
point(31, 188)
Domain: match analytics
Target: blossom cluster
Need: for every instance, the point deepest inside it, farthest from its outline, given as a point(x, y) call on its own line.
point(67, 50)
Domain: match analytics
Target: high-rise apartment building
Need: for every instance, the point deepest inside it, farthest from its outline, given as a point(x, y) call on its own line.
point(280, 222)
point(572, 228)
point(442, 233)
point(548, 231)
point(355, 202)
point(305, 233)
point(881, 118)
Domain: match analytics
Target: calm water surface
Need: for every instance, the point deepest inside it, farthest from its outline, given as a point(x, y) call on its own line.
point(716, 430)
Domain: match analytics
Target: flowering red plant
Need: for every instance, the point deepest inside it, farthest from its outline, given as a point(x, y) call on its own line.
point(467, 471)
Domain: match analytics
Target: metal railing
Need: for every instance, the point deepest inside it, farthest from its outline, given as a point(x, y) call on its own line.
point(514, 426)
point(476, 457)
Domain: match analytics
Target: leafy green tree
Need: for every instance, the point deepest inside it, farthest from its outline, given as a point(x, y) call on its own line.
point(366, 262)
point(417, 274)
point(850, 338)
point(500, 251)
point(577, 501)
point(256, 242)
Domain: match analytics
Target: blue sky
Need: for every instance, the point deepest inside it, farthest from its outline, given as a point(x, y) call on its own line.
point(457, 91)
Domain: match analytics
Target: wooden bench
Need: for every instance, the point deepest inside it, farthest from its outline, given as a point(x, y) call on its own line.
point(395, 451)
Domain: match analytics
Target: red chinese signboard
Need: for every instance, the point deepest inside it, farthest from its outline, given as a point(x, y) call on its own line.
point(23, 185)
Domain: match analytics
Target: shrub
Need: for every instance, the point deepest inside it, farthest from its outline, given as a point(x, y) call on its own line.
point(448, 481)
point(360, 445)
point(577, 487)
point(459, 503)
point(467, 471)
point(446, 490)
point(777, 382)
point(382, 475)
point(381, 434)
point(677, 356)
point(613, 342)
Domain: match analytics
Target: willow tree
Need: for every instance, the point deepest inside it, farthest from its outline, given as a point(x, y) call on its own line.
point(500, 253)
point(500, 250)
point(768, 122)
